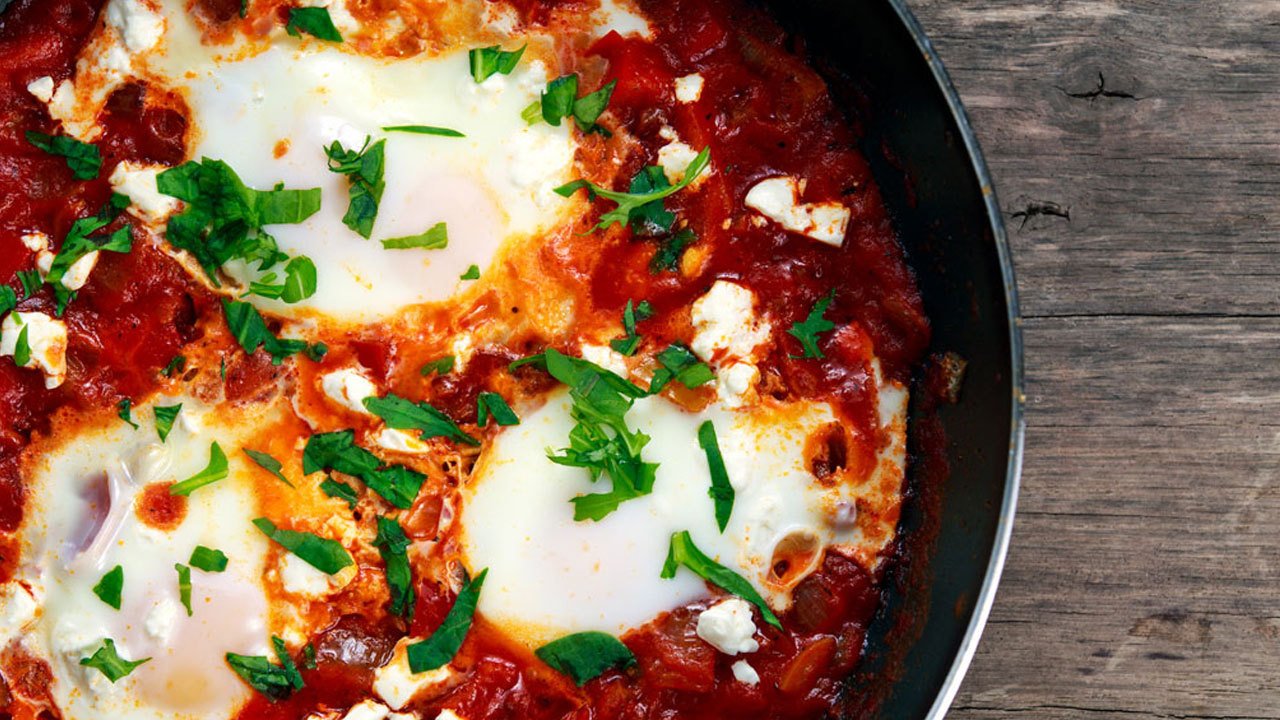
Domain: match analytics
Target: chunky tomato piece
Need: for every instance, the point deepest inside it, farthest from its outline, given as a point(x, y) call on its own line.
point(644, 77)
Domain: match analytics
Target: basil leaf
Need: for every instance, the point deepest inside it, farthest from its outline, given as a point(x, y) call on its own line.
point(441, 366)
point(364, 169)
point(651, 218)
point(397, 484)
point(184, 585)
point(213, 472)
point(106, 661)
point(327, 556)
point(807, 331)
point(312, 21)
point(424, 130)
point(31, 281)
point(268, 463)
point(472, 273)
point(629, 203)
point(9, 299)
point(300, 280)
point(585, 655)
point(165, 415)
point(444, 643)
point(178, 364)
point(721, 491)
point(684, 552)
point(403, 414)
point(208, 559)
point(124, 410)
point(110, 587)
point(78, 244)
point(83, 158)
point(277, 682)
point(286, 662)
point(489, 60)
point(679, 363)
point(671, 251)
point(341, 491)
point(630, 316)
point(587, 109)
point(558, 99)
point(392, 543)
point(492, 404)
point(22, 348)
point(435, 238)
point(250, 330)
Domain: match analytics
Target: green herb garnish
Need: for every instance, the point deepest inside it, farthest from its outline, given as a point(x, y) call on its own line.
point(312, 21)
point(490, 403)
point(268, 463)
point(250, 330)
point(341, 491)
point(670, 251)
point(630, 316)
point(684, 552)
point(680, 364)
point(435, 238)
point(403, 414)
point(110, 587)
point(84, 159)
point(124, 410)
point(585, 655)
point(327, 556)
point(629, 204)
point(364, 169)
point(277, 682)
point(176, 365)
point(721, 491)
point(165, 415)
point(472, 273)
point(441, 366)
point(807, 331)
point(424, 130)
point(444, 643)
point(184, 586)
point(208, 559)
point(392, 543)
point(216, 470)
point(106, 661)
point(489, 60)
point(397, 484)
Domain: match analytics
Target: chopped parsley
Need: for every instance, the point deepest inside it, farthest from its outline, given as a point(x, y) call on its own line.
point(364, 169)
point(721, 491)
point(585, 655)
point(341, 491)
point(84, 159)
point(22, 348)
point(671, 251)
point(327, 556)
point(9, 299)
point(435, 238)
point(684, 552)
point(165, 415)
point(77, 244)
point(440, 366)
point(492, 404)
point(680, 364)
point(213, 472)
point(184, 586)
point(807, 331)
point(424, 130)
point(106, 661)
point(392, 543)
point(250, 330)
point(208, 559)
point(631, 315)
point(403, 414)
point(225, 219)
point(111, 585)
point(636, 206)
point(124, 410)
point(397, 484)
point(486, 61)
point(299, 282)
point(268, 463)
point(312, 21)
point(177, 365)
point(560, 100)
point(472, 273)
point(444, 643)
point(277, 682)
point(30, 280)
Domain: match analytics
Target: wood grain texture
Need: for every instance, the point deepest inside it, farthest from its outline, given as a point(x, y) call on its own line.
point(1135, 147)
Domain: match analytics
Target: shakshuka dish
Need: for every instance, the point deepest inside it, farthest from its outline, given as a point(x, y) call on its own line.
point(439, 360)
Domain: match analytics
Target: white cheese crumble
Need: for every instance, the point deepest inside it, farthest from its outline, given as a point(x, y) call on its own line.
point(689, 88)
point(675, 157)
point(778, 199)
point(606, 357)
point(297, 577)
point(139, 26)
point(447, 714)
point(615, 16)
point(349, 387)
point(161, 620)
point(17, 610)
point(35, 241)
point(137, 181)
point(396, 684)
point(734, 380)
point(727, 334)
point(744, 673)
point(728, 627)
point(41, 88)
point(367, 710)
point(400, 441)
point(537, 158)
point(78, 273)
point(44, 263)
point(47, 338)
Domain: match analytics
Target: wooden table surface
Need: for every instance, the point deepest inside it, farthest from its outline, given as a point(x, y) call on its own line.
point(1135, 148)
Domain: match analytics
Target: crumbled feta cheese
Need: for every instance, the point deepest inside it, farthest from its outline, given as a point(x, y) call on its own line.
point(62, 106)
point(778, 199)
point(400, 441)
point(47, 338)
point(41, 88)
point(18, 608)
point(744, 673)
point(78, 274)
point(343, 20)
point(138, 182)
point(73, 642)
point(139, 26)
point(349, 387)
point(689, 88)
point(724, 323)
point(734, 380)
point(462, 349)
point(616, 16)
point(447, 714)
point(605, 357)
point(728, 626)
point(537, 158)
point(500, 18)
point(297, 577)
point(404, 716)
point(367, 710)
point(44, 263)
point(35, 241)
point(396, 684)
point(161, 620)
point(675, 157)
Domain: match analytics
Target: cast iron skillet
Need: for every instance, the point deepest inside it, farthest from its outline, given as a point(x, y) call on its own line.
point(884, 72)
